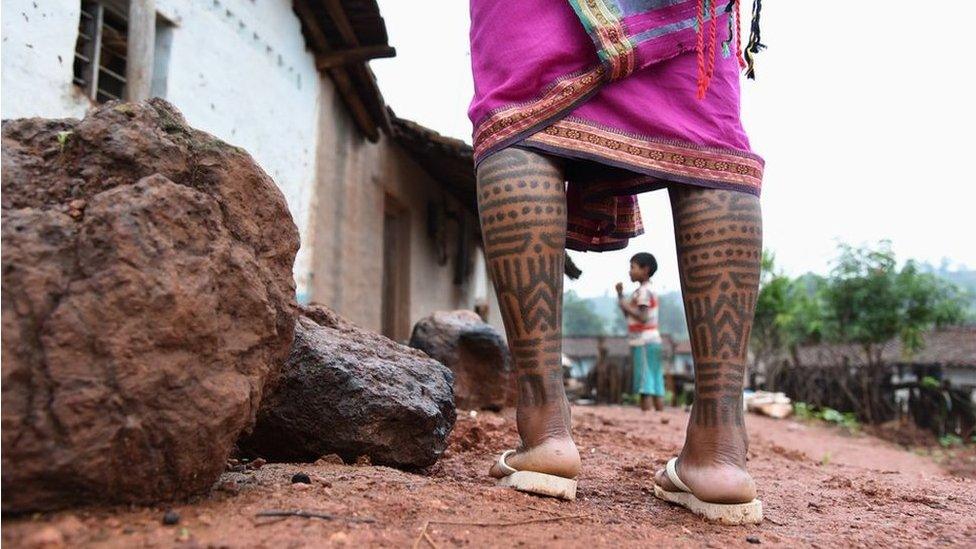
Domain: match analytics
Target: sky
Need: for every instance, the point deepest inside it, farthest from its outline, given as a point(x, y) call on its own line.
point(865, 118)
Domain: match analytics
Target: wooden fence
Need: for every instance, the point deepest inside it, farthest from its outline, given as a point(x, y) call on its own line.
point(869, 393)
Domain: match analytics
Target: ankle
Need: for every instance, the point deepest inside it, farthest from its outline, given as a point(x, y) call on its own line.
point(716, 447)
point(537, 426)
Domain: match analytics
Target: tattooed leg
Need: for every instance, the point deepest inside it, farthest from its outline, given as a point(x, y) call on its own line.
point(522, 202)
point(719, 240)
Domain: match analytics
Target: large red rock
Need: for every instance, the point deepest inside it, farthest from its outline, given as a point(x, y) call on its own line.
point(474, 351)
point(148, 298)
point(352, 392)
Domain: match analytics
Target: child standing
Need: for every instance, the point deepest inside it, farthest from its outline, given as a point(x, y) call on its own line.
point(641, 312)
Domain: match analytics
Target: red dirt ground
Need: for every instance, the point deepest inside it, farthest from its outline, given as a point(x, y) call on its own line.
point(820, 488)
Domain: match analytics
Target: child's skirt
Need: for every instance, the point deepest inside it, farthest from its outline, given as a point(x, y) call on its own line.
point(648, 374)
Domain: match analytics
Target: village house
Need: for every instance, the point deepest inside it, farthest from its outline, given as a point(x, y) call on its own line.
point(948, 354)
point(604, 363)
point(681, 358)
point(385, 208)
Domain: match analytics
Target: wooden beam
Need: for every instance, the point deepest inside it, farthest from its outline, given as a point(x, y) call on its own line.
point(339, 58)
point(338, 15)
point(141, 46)
point(321, 42)
point(351, 97)
point(339, 74)
point(380, 113)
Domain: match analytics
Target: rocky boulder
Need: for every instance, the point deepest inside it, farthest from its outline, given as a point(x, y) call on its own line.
point(351, 392)
point(147, 299)
point(474, 351)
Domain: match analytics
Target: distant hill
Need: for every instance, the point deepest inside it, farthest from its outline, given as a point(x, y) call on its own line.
point(671, 314)
point(961, 276)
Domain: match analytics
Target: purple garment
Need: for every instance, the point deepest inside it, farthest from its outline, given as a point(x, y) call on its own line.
point(521, 47)
point(614, 82)
point(659, 101)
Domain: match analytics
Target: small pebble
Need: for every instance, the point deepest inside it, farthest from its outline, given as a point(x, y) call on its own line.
point(47, 538)
point(753, 539)
point(171, 517)
point(330, 458)
point(205, 519)
point(300, 478)
point(258, 463)
point(229, 486)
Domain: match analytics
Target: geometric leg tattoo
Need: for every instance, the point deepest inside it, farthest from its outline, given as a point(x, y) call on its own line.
point(719, 240)
point(522, 205)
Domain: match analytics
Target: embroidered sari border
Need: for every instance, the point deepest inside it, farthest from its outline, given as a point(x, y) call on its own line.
point(508, 125)
point(670, 160)
point(602, 21)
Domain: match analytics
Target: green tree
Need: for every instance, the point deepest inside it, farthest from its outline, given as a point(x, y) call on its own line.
point(579, 318)
point(671, 315)
point(789, 313)
point(617, 326)
point(870, 301)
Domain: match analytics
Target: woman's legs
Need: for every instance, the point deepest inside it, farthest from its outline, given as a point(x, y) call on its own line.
point(522, 202)
point(719, 241)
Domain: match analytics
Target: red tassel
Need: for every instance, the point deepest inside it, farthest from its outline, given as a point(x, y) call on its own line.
point(712, 40)
point(702, 84)
point(738, 34)
point(705, 72)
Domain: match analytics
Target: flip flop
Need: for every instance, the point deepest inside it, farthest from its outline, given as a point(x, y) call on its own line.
point(535, 483)
point(725, 513)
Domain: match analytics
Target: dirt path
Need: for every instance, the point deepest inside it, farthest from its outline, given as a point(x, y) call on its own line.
point(864, 492)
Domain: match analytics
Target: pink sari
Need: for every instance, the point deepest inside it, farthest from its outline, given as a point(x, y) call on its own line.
point(632, 85)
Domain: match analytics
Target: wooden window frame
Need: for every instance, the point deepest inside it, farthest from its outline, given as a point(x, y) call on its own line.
point(89, 46)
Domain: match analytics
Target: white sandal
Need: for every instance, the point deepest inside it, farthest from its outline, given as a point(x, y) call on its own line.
point(725, 513)
point(535, 483)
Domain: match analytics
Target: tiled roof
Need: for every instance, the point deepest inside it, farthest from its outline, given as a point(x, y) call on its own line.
point(355, 29)
point(448, 160)
point(949, 346)
point(617, 346)
point(682, 347)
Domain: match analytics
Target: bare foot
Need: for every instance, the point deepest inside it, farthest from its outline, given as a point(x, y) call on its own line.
point(553, 456)
point(713, 465)
point(546, 443)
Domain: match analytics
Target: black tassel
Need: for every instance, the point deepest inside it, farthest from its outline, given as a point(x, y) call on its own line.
point(728, 44)
point(755, 44)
